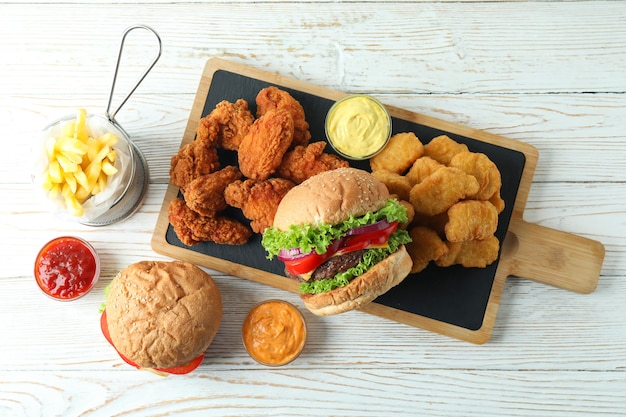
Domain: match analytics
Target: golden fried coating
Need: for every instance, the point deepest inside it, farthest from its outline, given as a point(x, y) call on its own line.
point(483, 169)
point(410, 214)
point(261, 151)
point(205, 194)
point(258, 200)
point(440, 190)
point(426, 246)
point(442, 149)
point(401, 152)
point(497, 201)
point(472, 253)
point(227, 124)
point(422, 168)
point(273, 98)
point(192, 228)
point(396, 184)
point(192, 161)
point(471, 220)
point(437, 222)
point(305, 161)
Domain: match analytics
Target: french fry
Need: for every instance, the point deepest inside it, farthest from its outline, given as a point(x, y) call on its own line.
point(79, 165)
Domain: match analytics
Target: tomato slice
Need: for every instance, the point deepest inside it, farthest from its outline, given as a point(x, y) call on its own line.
point(178, 370)
point(308, 263)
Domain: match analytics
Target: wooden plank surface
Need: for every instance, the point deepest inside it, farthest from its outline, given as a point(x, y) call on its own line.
point(546, 73)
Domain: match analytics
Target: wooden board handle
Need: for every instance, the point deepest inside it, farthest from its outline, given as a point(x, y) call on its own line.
point(553, 257)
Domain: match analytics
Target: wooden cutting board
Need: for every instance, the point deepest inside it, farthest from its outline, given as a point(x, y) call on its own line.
point(455, 301)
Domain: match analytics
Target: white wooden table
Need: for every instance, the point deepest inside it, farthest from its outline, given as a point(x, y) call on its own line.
point(551, 74)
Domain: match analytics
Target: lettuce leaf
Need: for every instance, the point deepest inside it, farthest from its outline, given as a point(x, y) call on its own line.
point(319, 237)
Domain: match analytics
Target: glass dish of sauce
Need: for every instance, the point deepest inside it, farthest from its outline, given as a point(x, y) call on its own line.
point(358, 126)
point(66, 268)
point(274, 333)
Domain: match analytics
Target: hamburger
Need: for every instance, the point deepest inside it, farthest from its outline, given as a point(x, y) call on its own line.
point(338, 234)
point(162, 316)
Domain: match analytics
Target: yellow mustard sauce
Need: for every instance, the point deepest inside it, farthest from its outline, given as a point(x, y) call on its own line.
point(358, 126)
point(274, 333)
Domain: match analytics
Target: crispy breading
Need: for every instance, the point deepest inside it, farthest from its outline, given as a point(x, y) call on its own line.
point(227, 124)
point(396, 184)
point(192, 228)
point(399, 154)
point(421, 169)
point(273, 98)
point(205, 194)
point(258, 200)
point(261, 151)
point(440, 190)
point(426, 246)
point(442, 149)
point(483, 169)
point(470, 220)
point(497, 201)
point(472, 253)
point(303, 162)
point(192, 161)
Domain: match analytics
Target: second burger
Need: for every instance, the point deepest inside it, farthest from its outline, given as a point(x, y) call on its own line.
point(338, 234)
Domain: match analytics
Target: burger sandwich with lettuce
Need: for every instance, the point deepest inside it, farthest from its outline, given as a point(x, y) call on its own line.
point(338, 234)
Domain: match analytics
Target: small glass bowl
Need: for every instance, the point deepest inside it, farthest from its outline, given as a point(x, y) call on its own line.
point(274, 333)
point(119, 184)
point(358, 126)
point(59, 260)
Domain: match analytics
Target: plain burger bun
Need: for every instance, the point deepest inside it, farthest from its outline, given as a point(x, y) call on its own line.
point(163, 314)
point(363, 289)
point(331, 197)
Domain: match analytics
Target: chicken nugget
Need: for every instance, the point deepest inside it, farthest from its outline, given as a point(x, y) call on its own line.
point(483, 169)
point(471, 220)
point(471, 254)
point(261, 151)
point(497, 201)
point(399, 153)
point(426, 246)
point(437, 222)
point(440, 190)
point(442, 149)
point(273, 98)
point(396, 184)
point(422, 168)
point(205, 194)
point(410, 214)
point(192, 161)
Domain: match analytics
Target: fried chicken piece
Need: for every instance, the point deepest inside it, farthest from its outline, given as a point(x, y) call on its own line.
point(258, 200)
point(440, 190)
point(472, 253)
point(471, 220)
point(272, 98)
point(399, 154)
point(192, 161)
point(442, 149)
point(205, 194)
point(483, 169)
point(192, 228)
point(227, 124)
point(262, 149)
point(426, 246)
point(305, 161)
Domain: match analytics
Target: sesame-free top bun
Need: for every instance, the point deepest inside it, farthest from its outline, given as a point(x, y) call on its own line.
point(331, 197)
point(163, 314)
point(363, 289)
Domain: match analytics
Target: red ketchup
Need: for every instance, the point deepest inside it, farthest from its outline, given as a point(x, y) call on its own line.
point(66, 268)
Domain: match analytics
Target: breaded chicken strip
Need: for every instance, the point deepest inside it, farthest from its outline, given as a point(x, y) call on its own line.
point(262, 149)
point(305, 161)
point(273, 98)
point(192, 161)
point(205, 194)
point(258, 200)
point(227, 124)
point(192, 228)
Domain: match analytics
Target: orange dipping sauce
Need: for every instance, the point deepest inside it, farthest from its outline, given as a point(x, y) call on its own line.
point(274, 333)
point(66, 268)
